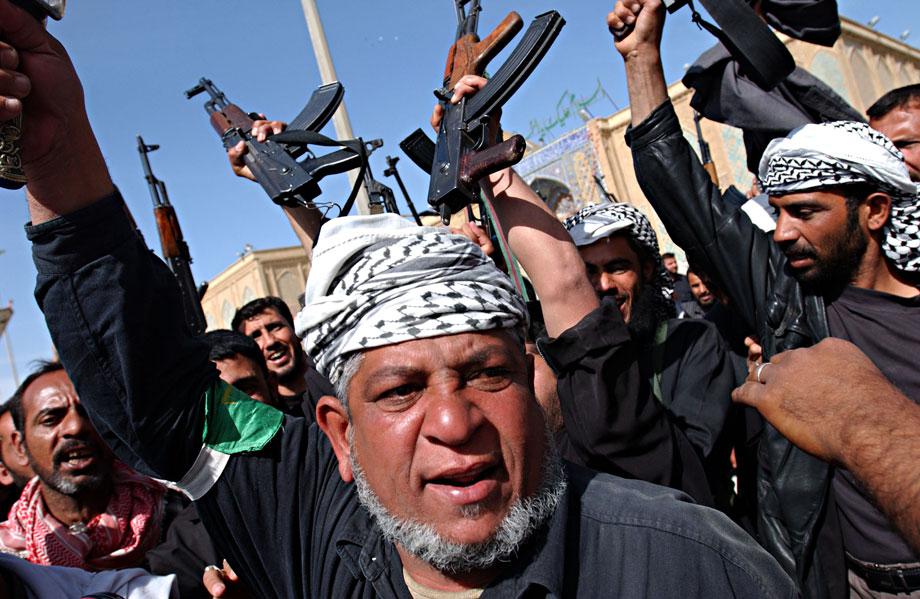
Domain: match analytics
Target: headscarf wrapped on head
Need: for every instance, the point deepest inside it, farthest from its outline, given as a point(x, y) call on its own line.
point(593, 223)
point(379, 280)
point(843, 153)
point(597, 222)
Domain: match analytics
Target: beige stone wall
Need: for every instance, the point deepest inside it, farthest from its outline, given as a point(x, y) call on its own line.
point(281, 272)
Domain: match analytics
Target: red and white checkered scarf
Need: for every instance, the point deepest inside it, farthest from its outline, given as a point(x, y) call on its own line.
point(116, 538)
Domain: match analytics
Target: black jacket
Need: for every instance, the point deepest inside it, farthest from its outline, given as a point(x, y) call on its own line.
point(613, 423)
point(793, 488)
point(281, 514)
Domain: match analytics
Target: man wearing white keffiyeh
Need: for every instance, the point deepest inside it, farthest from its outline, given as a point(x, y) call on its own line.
point(833, 156)
point(436, 421)
point(380, 281)
point(458, 321)
point(842, 262)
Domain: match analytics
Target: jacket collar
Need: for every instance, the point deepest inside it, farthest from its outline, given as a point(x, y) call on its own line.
point(541, 564)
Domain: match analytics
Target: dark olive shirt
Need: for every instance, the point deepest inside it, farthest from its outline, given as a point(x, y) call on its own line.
point(887, 329)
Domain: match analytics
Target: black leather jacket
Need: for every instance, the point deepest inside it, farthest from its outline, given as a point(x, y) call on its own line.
point(793, 486)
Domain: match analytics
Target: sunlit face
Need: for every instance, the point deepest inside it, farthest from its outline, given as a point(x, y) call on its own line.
point(698, 288)
point(822, 239)
point(63, 447)
point(275, 337)
point(245, 375)
point(902, 126)
point(447, 431)
point(615, 270)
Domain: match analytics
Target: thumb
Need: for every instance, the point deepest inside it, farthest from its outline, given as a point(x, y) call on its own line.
point(20, 29)
point(749, 394)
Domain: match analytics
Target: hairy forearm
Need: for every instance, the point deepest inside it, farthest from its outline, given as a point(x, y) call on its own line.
point(306, 223)
point(545, 251)
point(645, 82)
point(881, 449)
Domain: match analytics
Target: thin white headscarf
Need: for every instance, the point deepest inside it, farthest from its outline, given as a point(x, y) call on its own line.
point(846, 152)
point(380, 280)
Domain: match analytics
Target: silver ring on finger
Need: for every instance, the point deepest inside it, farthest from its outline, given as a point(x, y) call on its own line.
point(758, 372)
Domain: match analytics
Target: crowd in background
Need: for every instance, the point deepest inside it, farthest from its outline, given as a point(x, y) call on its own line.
point(748, 427)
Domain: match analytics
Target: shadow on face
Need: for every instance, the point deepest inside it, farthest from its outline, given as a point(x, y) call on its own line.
point(822, 236)
point(63, 448)
point(245, 375)
point(446, 430)
point(616, 270)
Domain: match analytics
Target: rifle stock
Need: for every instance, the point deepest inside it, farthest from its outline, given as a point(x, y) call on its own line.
point(705, 153)
point(470, 56)
point(464, 129)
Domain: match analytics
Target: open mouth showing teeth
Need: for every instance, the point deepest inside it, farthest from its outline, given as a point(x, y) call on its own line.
point(78, 455)
point(276, 355)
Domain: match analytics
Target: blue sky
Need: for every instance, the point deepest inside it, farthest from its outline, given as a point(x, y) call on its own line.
point(136, 59)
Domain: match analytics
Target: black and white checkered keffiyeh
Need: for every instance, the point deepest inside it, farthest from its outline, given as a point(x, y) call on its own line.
point(846, 152)
point(379, 280)
point(593, 223)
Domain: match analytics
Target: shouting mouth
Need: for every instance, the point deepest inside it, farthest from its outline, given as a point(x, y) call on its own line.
point(465, 485)
point(78, 458)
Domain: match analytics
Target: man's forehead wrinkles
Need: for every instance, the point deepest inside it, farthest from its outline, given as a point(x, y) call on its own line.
point(420, 359)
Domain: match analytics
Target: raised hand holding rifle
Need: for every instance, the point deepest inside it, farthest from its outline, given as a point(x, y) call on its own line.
point(535, 236)
point(462, 154)
point(272, 160)
point(12, 175)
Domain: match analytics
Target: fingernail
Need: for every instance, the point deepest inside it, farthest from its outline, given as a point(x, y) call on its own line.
point(219, 588)
point(21, 84)
point(12, 104)
point(8, 57)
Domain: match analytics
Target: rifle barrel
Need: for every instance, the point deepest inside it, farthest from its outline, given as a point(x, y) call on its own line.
point(175, 250)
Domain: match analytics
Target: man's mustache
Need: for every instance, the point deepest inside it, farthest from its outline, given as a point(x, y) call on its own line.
point(60, 456)
point(794, 252)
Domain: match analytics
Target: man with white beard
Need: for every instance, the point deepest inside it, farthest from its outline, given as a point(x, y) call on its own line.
point(422, 335)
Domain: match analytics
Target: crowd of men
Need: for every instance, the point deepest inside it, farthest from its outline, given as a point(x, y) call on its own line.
point(748, 429)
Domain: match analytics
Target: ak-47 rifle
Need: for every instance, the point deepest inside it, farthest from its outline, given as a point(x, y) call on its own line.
point(274, 161)
point(705, 154)
point(380, 196)
point(175, 250)
point(392, 172)
point(462, 154)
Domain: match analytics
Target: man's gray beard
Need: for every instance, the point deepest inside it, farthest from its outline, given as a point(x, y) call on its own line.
point(524, 518)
